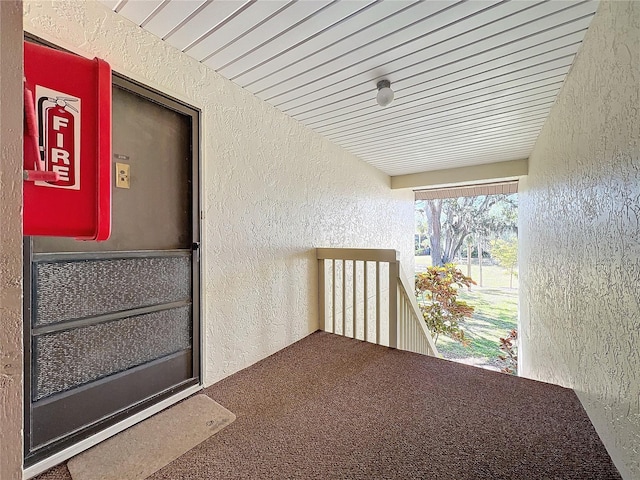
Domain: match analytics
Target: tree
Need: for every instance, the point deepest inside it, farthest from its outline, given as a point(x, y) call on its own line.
point(421, 230)
point(433, 210)
point(506, 253)
point(452, 220)
point(437, 291)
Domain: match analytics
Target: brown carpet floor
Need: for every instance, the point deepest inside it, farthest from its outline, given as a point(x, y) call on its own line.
point(329, 407)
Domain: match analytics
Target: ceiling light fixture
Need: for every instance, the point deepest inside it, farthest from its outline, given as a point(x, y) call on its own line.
point(385, 94)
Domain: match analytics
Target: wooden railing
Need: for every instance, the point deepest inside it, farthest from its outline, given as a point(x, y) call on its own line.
point(364, 294)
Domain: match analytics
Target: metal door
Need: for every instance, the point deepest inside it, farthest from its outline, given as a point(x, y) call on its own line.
point(113, 327)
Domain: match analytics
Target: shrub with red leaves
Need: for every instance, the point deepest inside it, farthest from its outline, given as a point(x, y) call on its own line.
point(437, 291)
point(508, 346)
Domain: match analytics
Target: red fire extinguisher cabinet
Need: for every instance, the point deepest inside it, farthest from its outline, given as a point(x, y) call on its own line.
point(67, 145)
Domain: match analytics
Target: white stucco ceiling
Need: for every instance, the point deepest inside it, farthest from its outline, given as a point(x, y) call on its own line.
point(473, 80)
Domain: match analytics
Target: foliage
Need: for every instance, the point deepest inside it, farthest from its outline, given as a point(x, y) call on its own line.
point(450, 221)
point(422, 230)
point(506, 253)
point(510, 357)
point(437, 291)
point(495, 313)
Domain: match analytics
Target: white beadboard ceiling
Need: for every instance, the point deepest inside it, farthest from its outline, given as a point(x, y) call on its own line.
point(473, 80)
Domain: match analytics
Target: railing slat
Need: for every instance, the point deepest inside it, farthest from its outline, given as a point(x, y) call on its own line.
point(355, 282)
point(333, 295)
point(344, 297)
point(365, 306)
point(377, 302)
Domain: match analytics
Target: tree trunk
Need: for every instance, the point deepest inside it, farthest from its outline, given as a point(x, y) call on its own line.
point(433, 210)
point(469, 259)
point(453, 247)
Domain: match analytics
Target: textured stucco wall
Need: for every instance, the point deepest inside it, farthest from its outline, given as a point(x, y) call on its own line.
point(580, 236)
point(272, 190)
point(10, 239)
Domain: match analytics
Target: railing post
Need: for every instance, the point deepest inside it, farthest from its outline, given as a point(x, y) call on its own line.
point(322, 296)
point(344, 298)
point(378, 279)
point(365, 299)
point(333, 296)
point(354, 284)
point(393, 304)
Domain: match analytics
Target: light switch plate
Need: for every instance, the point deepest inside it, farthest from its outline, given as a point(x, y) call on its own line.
point(122, 175)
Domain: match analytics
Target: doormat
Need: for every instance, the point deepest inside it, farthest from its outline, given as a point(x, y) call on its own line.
point(145, 448)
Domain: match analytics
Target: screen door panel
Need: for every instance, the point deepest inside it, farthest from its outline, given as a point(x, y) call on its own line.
point(113, 326)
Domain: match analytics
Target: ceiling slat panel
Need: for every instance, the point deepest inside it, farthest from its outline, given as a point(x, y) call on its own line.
point(511, 135)
point(444, 134)
point(427, 122)
point(500, 99)
point(209, 17)
point(276, 26)
point(458, 139)
point(448, 130)
point(414, 163)
point(430, 138)
point(385, 115)
point(474, 80)
point(366, 18)
point(441, 146)
point(444, 46)
point(312, 26)
point(376, 53)
point(511, 80)
point(483, 108)
point(501, 61)
point(537, 108)
point(434, 109)
point(241, 25)
point(137, 12)
point(388, 30)
point(414, 126)
point(171, 16)
point(449, 54)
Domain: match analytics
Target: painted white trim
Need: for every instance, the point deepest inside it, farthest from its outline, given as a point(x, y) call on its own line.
point(87, 443)
point(475, 174)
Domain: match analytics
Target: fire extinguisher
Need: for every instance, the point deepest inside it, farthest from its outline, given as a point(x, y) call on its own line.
point(57, 138)
point(34, 170)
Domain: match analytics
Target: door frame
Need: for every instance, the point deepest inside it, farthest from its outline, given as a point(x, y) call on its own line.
point(193, 113)
point(87, 437)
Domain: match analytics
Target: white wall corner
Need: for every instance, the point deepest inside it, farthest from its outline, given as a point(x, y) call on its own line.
point(11, 362)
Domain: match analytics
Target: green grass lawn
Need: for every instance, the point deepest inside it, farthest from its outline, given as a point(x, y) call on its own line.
point(496, 313)
point(493, 276)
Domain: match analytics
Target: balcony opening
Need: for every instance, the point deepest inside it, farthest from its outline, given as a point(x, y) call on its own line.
point(466, 246)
